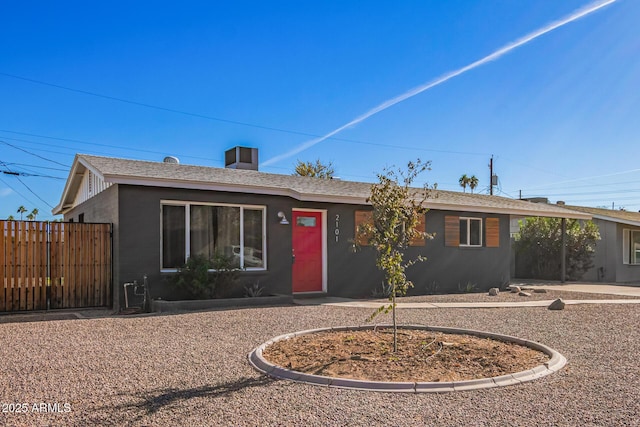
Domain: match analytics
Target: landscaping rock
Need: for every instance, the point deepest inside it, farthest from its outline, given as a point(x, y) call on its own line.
point(539, 291)
point(494, 291)
point(514, 289)
point(557, 305)
point(524, 294)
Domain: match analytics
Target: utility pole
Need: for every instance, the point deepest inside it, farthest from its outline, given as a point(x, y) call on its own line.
point(491, 176)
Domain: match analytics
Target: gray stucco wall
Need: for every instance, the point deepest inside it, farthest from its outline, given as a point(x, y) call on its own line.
point(135, 213)
point(355, 273)
point(607, 254)
point(140, 236)
point(625, 272)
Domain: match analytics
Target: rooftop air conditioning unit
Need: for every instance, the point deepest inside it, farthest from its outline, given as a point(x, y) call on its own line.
point(241, 158)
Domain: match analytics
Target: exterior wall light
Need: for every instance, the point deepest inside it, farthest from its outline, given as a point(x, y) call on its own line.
point(283, 218)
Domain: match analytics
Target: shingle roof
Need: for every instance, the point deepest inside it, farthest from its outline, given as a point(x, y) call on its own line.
point(136, 172)
point(625, 217)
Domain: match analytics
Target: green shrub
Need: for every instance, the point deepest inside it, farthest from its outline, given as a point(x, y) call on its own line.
point(196, 280)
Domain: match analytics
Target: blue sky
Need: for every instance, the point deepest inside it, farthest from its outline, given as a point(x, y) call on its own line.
point(559, 114)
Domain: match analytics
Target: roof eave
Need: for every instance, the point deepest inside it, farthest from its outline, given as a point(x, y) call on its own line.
point(617, 220)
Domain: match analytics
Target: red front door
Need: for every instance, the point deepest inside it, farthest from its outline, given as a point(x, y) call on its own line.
point(307, 250)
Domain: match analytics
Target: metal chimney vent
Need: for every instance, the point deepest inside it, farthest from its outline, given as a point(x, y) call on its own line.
point(241, 158)
point(171, 159)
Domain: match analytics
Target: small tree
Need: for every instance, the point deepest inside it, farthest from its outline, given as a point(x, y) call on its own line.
point(10, 218)
point(21, 210)
point(316, 170)
point(538, 247)
point(35, 213)
point(397, 210)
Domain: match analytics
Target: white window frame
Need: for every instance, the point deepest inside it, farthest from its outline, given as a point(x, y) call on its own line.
point(187, 229)
point(468, 220)
point(628, 254)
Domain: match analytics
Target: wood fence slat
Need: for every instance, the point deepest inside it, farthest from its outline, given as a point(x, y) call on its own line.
point(85, 247)
point(79, 265)
point(95, 270)
point(11, 263)
point(107, 266)
point(38, 259)
point(29, 263)
point(3, 264)
point(44, 238)
point(69, 266)
point(55, 244)
point(90, 266)
point(86, 252)
point(22, 301)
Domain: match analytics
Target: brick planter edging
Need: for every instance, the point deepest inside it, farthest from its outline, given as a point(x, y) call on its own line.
point(163, 306)
point(554, 364)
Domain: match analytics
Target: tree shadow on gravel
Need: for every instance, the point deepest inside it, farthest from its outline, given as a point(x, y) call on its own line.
point(150, 402)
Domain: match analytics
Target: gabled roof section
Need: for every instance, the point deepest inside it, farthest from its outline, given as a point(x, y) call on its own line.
point(622, 217)
point(160, 174)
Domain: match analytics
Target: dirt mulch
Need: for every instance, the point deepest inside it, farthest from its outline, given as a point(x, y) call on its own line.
point(423, 356)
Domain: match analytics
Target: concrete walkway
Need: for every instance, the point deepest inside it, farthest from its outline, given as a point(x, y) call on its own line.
point(572, 287)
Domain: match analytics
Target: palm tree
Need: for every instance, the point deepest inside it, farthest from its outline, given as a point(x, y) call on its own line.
point(21, 210)
point(10, 218)
point(473, 182)
point(35, 213)
point(30, 217)
point(464, 181)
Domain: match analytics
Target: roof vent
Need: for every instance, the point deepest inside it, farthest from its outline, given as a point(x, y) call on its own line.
point(241, 158)
point(171, 159)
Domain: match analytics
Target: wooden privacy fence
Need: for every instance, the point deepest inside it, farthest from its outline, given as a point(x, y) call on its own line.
point(54, 265)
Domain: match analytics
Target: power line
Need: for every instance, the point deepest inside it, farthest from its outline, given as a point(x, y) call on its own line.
point(90, 143)
point(16, 191)
point(33, 154)
point(27, 187)
point(30, 174)
point(36, 166)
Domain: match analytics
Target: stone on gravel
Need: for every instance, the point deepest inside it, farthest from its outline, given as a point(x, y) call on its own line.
point(514, 289)
point(494, 291)
point(539, 291)
point(524, 294)
point(557, 305)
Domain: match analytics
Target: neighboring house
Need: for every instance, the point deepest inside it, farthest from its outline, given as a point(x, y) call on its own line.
point(294, 234)
point(617, 257)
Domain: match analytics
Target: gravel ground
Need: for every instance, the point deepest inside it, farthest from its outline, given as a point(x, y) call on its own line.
point(506, 296)
point(191, 369)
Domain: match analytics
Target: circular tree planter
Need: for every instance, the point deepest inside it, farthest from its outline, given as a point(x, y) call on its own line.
point(556, 362)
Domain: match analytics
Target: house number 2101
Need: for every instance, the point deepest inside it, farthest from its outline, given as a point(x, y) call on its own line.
point(337, 229)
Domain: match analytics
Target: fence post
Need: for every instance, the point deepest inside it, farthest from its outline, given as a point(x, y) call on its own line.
point(48, 256)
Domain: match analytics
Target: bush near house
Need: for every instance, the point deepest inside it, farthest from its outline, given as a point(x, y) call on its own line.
point(538, 244)
point(196, 280)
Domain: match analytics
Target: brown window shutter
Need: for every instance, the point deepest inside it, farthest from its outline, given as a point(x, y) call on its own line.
point(419, 240)
point(452, 231)
point(493, 232)
point(362, 217)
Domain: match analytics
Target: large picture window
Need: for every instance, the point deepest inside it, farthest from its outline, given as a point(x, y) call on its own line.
point(236, 232)
point(631, 246)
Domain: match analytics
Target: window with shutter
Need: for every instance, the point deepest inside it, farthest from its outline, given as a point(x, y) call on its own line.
point(493, 232)
point(421, 226)
point(451, 231)
point(362, 217)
